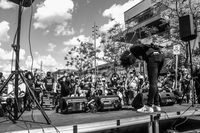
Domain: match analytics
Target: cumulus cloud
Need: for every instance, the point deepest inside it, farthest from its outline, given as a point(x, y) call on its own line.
point(116, 12)
point(5, 4)
point(51, 47)
point(81, 30)
point(46, 61)
point(77, 40)
point(5, 67)
point(6, 58)
point(64, 29)
point(46, 32)
point(54, 12)
point(7, 55)
point(4, 28)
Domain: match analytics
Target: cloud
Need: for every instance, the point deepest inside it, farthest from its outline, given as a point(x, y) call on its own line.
point(116, 12)
point(81, 30)
point(5, 67)
point(63, 29)
point(76, 40)
point(5, 4)
point(47, 62)
point(6, 58)
point(53, 12)
point(51, 47)
point(46, 32)
point(7, 55)
point(4, 28)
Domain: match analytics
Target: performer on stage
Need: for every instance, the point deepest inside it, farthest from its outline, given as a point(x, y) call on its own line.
point(155, 60)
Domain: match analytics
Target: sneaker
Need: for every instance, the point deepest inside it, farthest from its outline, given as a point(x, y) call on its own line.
point(156, 108)
point(145, 109)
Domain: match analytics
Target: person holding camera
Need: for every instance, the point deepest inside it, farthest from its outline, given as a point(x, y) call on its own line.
point(154, 58)
point(131, 87)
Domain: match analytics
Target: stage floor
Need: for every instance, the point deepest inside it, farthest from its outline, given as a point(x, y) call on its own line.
point(91, 122)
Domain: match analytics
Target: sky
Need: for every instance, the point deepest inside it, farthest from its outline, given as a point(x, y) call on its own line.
point(56, 26)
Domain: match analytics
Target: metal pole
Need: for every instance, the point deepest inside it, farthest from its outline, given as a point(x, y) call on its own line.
point(176, 78)
point(156, 124)
point(150, 125)
point(95, 69)
point(17, 50)
point(191, 68)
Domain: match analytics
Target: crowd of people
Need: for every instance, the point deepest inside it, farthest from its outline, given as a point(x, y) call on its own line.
point(125, 86)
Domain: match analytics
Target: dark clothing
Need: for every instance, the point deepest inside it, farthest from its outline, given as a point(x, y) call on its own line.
point(49, 81)
point(38, 89)
point(155, 60)
point(197, 83)
point(154, 67)
point(65, 87)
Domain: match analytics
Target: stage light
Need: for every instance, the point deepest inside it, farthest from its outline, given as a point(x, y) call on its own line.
point(26, 3)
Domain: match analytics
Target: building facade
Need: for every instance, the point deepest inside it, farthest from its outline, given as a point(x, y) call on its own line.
point(146, 13)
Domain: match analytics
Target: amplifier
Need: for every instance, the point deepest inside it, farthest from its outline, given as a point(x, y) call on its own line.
point(167, 98)
point(73, 104)
point(109, 102)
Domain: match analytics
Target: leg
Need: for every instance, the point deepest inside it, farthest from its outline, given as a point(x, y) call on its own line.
point(153, 69)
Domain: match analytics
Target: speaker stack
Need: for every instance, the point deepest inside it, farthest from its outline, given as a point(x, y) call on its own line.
point(187, 29)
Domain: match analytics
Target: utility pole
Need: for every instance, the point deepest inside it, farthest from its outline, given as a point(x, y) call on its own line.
point(41, 64)
point(94, 34)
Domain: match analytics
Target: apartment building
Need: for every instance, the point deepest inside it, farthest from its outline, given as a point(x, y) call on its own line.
point(146, 13)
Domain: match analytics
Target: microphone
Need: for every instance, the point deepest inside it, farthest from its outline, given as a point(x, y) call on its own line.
point(26, 3)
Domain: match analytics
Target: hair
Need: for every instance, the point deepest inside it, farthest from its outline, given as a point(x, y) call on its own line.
point(27, 74)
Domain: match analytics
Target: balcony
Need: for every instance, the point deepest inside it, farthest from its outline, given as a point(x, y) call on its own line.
point(139, 8)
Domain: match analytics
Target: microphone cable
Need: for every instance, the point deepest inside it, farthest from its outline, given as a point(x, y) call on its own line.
point(29, 37)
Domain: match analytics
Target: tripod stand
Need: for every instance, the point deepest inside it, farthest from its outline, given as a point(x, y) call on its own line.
point(18, 74)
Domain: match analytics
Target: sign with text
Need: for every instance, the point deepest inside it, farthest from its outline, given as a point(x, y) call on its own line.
point(176, 49)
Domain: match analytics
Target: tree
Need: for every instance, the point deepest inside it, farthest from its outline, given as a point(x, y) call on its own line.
point(175, 9)
point(113, 46)
point(81, 57)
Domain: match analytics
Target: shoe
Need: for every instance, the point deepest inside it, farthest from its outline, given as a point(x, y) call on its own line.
point(156, 108)
point(145, 109)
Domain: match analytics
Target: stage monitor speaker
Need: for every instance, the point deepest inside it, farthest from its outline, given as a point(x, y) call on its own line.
point(111, 102)
point(73, 104)
point(186, 28)
point(166, 99)
point(26, 3)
